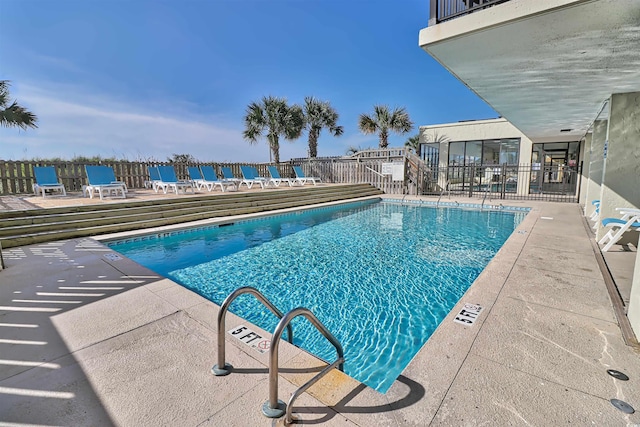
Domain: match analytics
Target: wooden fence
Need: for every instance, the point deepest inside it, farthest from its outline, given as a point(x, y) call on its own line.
point(17, 177)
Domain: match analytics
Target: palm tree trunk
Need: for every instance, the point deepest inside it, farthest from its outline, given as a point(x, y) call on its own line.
point(313, 142)
point(384, 139)
point(275, 147)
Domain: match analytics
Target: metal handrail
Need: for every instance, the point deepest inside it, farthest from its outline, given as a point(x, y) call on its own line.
point(223, 368)
point(288, 419)
point(446, 188)
point(274, 408)
point(485, 195)
point(441, 11)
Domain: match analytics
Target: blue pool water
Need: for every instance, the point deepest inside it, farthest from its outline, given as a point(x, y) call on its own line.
point(381, 276)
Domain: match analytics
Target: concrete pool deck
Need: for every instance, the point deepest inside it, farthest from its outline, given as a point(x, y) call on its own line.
point(90, 338)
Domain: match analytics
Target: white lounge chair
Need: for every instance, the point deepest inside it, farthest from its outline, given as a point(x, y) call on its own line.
point(595, 215)
point(154, 176)
point(619, 226)
point(250, 177)
point(46, 179)
point(277, 179)
point(303, 178)
point(102, 180)
point(228, 175)
point(168, 179)
point(196, 177)
point(210, 179)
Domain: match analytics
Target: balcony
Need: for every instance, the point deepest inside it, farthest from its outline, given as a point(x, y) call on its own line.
point(444, 10)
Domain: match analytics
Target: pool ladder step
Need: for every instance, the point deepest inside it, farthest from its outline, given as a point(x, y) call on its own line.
point(275, 408)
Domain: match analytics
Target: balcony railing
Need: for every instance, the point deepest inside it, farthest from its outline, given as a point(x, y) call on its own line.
point(444, 10)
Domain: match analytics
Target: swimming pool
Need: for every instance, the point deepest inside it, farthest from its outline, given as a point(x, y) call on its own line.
point(381, 276)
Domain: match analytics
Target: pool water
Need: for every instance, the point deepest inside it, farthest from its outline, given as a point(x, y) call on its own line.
point(380, 276)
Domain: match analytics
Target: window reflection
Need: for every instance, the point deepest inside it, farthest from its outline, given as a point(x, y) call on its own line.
point(487, 152)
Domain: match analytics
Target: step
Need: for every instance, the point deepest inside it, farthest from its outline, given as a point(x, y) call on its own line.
point(96, 208)
point(43, 225)
point(18, 226)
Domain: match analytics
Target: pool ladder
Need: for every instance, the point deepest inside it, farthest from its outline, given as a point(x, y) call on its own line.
point(275, 408)
point(445, 189)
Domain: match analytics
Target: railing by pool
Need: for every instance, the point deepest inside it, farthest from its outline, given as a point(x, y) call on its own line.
point(444, 10)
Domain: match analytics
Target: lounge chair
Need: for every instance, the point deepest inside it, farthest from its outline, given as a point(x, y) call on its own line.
point(595, 215)
point(210, 180)
point(303, 178)
point(228, 175)
point(277, 179)
point(154, 176)
point(102, 180)
point(168, 179)
point(195, 176)
point(250, 177)
point(619, 226)
point(596, 212)
point(46, 179)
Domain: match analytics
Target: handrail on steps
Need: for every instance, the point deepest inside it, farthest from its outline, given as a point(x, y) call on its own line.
point(375, 171)
point(223, 368)
point(274, 408)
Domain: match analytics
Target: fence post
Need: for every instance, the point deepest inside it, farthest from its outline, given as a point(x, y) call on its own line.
point(471, 180)
point(503, 181)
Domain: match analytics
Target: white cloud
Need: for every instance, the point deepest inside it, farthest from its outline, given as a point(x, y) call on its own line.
point(87, 124)
point(73, 121)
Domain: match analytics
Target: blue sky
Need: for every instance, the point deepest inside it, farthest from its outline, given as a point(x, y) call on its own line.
point(142, 80)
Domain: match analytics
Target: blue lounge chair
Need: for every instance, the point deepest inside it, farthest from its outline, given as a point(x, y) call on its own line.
point(168, 179)
point(196, 176)
point(250, 177)
point(154, 176)
point(303, 178)
point(619, 226)
point(228, 175)
point(46, 179)
point(102, 180)
point(277, 179)
point(210, 179)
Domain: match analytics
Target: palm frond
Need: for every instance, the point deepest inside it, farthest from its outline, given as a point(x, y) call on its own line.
point(14, 115)
point(367, 124)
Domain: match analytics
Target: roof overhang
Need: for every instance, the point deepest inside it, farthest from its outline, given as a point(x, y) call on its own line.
point(547, 66)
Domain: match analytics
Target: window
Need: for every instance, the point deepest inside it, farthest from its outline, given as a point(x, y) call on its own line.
point(456, 154)
point(473, 155)
point(488, 152)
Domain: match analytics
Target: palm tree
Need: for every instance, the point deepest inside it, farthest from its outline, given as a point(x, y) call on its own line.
point(413, 143)
point(14, 115)
point(383, 121)
point(318, 115)
point(275, 117)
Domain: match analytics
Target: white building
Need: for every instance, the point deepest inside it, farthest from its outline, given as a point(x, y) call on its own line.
point(551, 167)
point(559, 71)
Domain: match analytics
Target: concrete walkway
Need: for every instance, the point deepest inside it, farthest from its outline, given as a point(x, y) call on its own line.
point(88, 337)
